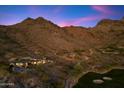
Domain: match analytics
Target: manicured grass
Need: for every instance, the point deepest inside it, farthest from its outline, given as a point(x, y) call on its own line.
point(117, 81)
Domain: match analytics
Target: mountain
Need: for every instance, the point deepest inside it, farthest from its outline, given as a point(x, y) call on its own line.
point(74, 51)
point(41, 35)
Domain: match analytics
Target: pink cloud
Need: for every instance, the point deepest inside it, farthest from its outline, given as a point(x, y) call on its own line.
point(80, 20)
point(102, 9)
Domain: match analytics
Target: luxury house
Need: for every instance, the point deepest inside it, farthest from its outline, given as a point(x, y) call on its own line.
point(26, 61)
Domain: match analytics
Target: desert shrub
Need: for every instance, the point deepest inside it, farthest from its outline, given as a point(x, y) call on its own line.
point(77, 69)
point(38, 68)
point(4, 70)
point(56, 83)
point(79, 51)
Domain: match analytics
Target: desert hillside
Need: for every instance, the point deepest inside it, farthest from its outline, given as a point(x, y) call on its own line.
point(69, 52)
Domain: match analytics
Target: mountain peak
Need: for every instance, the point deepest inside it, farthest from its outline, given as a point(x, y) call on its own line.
point(28, 20)
point(109, 22)
point(39, 21)
point(39, 18)
point(122, 18)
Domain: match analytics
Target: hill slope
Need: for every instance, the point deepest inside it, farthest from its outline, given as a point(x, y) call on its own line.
point(74, 51)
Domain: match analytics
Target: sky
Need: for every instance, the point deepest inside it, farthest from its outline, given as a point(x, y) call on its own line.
point(62, 15)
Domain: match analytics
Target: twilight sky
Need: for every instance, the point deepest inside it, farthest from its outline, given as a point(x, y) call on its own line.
point(78, 15)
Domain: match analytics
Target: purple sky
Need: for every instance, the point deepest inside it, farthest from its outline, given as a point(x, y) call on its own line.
point(78, 15)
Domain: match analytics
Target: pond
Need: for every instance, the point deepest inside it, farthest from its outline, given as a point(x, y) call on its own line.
point(112, 79)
